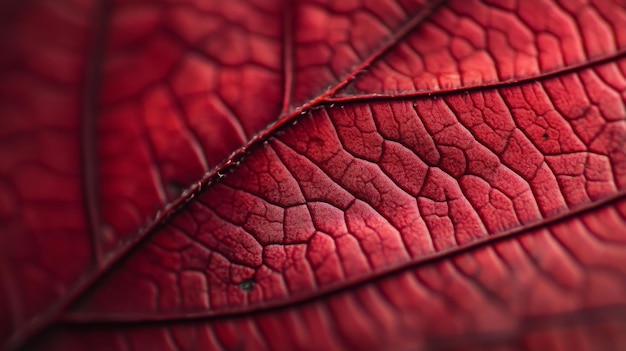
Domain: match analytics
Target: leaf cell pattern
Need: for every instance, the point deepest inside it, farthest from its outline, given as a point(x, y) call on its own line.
point(356, 189)
point(312, 174)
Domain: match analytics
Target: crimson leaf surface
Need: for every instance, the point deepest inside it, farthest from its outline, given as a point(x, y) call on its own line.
point(185, 175)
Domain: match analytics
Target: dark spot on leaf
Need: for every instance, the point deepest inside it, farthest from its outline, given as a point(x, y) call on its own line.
point(317, 141)
point(545, 136)
point(247, 285)
point(174, 189)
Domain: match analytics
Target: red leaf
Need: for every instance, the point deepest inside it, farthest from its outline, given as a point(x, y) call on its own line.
point(402, 175)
